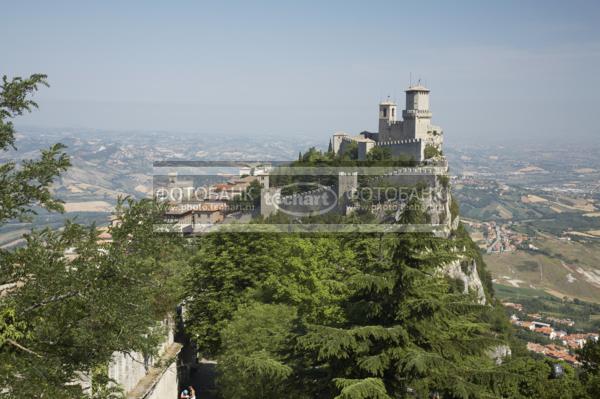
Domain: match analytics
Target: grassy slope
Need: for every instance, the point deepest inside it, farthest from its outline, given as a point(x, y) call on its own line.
point(561, 268)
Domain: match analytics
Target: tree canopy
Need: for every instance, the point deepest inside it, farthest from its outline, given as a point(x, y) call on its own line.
point(352, 316)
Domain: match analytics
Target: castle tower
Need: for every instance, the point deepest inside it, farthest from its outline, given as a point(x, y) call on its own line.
point(387, 116)
point(336, 141)
point(417, 117)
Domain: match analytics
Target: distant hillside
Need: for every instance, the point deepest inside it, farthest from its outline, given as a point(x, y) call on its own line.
point(107, 165)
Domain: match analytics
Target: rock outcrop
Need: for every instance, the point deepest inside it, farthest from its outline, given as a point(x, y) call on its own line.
point(465, 270)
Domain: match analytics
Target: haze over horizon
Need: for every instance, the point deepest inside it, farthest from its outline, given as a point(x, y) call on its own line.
point(510, 69)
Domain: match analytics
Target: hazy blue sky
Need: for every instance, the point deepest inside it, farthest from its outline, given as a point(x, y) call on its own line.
point(502, 68)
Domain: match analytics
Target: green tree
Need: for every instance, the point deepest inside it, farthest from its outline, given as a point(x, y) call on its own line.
point(350, 151)
point(431, 151)
point(224, 267)
point(29, 184)
point(406, 330)
point(254, 341)
point(589, 356)
point(68, 301)
point(230, 270)
point(379, 153)
point(67, 314)
point(525, 377)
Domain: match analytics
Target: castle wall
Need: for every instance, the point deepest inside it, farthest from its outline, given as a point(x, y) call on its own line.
point(343, 190)
point(344, 144)
point(346, 186)
point(413, 148)
point(363, 148)
point(336, 142)
point(409, 180)
point(128, 369)
point(421, 127)
point(398, 130)
point(166, 385)
point(409, 128)
point(385, 130)
point(410, 147)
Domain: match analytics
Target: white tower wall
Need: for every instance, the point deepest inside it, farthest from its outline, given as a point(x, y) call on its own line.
point(387, 111)
point(387, 116)
point(336, 141)
point(417, 117)
point(417, 100)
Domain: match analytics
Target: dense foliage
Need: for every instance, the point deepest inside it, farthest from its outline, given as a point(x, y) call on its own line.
point(355, 316)
point(431, 151)
point(589, 356)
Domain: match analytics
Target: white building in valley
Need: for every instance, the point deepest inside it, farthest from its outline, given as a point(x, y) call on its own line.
point(409, 136)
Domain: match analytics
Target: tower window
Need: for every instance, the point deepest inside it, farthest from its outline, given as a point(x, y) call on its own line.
point(385, 112)
point(393, 112)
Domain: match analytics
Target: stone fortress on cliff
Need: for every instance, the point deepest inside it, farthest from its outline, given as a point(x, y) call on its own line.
point(413, 138)
point(407, 137)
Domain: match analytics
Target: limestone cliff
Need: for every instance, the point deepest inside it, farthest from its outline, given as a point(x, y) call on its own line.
point(465, 270)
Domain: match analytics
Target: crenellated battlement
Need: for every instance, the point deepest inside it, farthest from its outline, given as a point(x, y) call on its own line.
point(349, 139)
point(398, 142)
point(413, 113)
point(419, 170)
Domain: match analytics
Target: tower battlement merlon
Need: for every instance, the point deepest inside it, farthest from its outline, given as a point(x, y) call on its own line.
point(392, 142)
point(416, 113)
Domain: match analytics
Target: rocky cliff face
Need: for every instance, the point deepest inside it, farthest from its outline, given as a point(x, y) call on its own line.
point(435, 202)
point(465, 270)
point(499, 353)
point(437, 205)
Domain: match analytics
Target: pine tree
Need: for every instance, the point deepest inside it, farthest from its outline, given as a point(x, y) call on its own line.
point(406, 329)
point(251, 365)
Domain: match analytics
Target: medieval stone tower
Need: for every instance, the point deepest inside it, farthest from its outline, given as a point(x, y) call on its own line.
point(387, 116)
point(417, 116)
